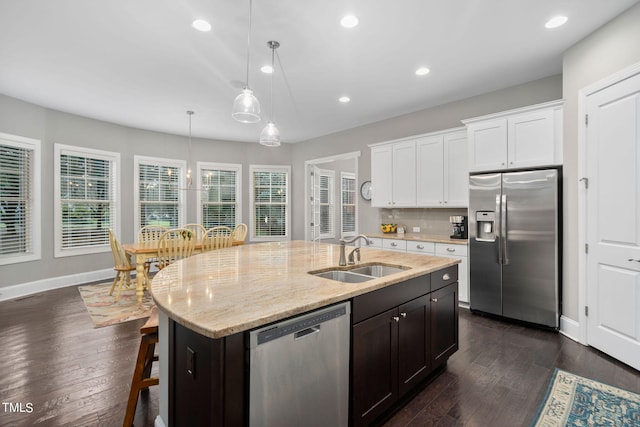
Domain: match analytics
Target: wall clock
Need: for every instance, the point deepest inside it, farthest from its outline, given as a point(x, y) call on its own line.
point(365, 190)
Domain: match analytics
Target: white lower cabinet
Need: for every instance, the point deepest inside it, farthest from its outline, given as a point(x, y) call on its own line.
point(394, 245)
point(417, 247)
point(459, 252)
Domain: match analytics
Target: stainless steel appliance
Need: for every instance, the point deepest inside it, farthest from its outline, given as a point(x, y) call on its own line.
point(299, 370)
point(514, 245)
point(459, 223)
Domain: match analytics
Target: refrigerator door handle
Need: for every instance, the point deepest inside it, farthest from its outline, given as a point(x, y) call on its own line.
point(503, 232)
point(498, 241)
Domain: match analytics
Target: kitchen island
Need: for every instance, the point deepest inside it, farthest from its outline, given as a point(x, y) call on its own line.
point(212, 300)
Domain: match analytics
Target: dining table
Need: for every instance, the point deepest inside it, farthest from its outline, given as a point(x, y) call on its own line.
point(142, 251)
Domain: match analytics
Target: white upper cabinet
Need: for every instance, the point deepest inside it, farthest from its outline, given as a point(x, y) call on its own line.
point(393, 175)
point(526, 137)
point(442, 172)
point(423, 171)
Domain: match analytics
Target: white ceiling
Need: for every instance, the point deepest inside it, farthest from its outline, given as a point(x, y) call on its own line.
point(140, 63)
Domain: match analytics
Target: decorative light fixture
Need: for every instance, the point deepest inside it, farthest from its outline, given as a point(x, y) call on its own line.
point(246, 107)
point(270, 135)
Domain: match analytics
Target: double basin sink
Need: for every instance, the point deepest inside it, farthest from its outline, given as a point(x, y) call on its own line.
point(359, 273)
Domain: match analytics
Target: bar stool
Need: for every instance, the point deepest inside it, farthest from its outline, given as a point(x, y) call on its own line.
point(142, 379)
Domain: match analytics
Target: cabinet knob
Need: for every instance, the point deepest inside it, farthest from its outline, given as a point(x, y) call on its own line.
point(434, 299)
point(631, 259)
point(446, 276)
point(403, 315)
point(394, 244)
point(420, 247)
point(450, 250)
point(396, 318)
point(445, 202)
point(502, 163)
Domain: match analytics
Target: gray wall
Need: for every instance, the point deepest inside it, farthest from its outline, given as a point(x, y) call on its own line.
point(429, 120)
point(50, 126)
point(614, 46)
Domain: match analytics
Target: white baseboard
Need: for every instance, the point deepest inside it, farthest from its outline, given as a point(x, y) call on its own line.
point(24, 289)
point(569, 328)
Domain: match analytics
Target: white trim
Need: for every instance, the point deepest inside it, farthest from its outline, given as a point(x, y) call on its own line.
point(569, 328)
point(234, 167)
point(309, 163)
point(422, 135)
point(269, 168)
point(110, 156)
point(36, 208)
point(583, 93)
point(529, 108)
point(29, 288)
point(182, 199)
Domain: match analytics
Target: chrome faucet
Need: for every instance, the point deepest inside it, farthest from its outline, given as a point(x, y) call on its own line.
point(343, 242)
point(351, 261)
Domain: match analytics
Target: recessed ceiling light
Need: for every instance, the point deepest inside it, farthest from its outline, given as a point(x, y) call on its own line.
point(201, 25)
point(422, 71)
point(344, 99)
point(556, 21)
point(267, 69)
point(349, 21)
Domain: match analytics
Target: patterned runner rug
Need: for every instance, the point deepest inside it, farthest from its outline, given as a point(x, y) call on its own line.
point(572, 400)
point(105, 311)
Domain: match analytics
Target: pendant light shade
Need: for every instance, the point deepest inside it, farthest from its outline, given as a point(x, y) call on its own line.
point(246, 107)
point(270, 135)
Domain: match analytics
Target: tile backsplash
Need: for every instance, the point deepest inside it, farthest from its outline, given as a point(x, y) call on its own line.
point(430, 221)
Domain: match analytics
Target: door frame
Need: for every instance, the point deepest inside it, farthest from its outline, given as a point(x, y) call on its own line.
point(583, 94)
point(355, 155)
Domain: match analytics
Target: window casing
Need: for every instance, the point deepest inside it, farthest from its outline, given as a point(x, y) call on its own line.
point(19, 199)
point(87, 200)
point(220, 194)
point(159, 192)
point(327, 205)
point(270, 203)
point(348, 204)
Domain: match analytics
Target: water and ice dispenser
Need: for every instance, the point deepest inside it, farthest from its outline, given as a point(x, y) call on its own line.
point(486, 226)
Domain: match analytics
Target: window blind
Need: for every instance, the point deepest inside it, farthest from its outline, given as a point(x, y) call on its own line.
point(218, 197)
point(159, 197)
point(87, 199)
point(270, 203)
point(348, 204)
point(326, 205)
point(16, 200)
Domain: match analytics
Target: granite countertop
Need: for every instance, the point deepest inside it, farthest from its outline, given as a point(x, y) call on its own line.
point(231, 290)
point(419, 237)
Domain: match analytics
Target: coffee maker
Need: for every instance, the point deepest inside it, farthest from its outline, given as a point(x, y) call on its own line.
point(459, 223)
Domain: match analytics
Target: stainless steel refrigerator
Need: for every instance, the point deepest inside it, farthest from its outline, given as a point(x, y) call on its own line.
point(515, 245)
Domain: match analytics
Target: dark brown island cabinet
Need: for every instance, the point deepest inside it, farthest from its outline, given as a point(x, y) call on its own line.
point(401, 335)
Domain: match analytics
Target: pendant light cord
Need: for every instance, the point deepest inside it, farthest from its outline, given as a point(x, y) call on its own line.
point(249, 43)
point(273, 71)
point(189, 179)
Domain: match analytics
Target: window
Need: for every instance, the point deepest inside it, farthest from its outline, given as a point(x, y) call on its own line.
point(87, 200)
point(19, 199)
point(327, 206)
point(348, 200)
point(219, 198)
point(270, 215)
point(158, 196)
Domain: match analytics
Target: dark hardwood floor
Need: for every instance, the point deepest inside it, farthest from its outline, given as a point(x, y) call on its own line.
point(73, 374)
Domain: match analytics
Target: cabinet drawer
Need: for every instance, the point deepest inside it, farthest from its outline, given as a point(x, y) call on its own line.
point(394, 244)
point(374, 242)
point(444, 277)
point(427, 248)
point(445, 249)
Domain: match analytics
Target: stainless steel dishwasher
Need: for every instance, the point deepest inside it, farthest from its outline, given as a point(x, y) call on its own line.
point(299, 370)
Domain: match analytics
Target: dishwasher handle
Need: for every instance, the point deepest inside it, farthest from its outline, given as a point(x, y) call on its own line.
point(306, 332)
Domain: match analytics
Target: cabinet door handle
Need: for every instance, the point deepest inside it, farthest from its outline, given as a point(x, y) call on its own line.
point(636, 260)
point(403, 315)
point(434, 299)
point(420, 247)
point(446, 276)
point(396, 318)
point(394, 244)
point(450, 250)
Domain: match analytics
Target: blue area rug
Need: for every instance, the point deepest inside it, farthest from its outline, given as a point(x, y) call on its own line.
point(572, 400)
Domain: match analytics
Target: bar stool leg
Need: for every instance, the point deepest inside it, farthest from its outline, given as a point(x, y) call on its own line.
point(141, 375)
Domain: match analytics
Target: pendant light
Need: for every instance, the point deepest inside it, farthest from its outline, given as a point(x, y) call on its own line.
point(270, 135)
point(246, 107)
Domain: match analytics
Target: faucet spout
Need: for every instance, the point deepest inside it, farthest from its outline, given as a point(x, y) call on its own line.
point(343, 242)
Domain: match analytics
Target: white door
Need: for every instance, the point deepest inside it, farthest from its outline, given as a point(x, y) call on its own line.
point(404, 175)
point(613, 220)
point(381, 176)
point(456, 170)
point(487, 145)
point(531, 139)
point(430, 171)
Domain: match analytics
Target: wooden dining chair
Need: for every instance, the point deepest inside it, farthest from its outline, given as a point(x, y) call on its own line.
point(150, 234)
point(197, 229)
point(174, 245)
point(217, 238)
point(121, 264)
point(239, 233)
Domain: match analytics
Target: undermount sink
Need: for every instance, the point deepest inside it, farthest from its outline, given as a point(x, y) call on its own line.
point(358, 274)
